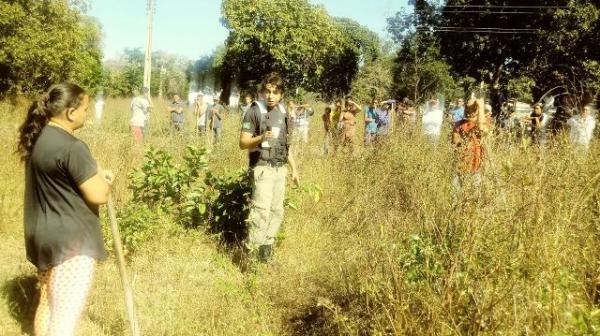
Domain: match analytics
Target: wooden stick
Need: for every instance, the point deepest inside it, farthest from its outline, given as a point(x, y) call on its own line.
point(133, 324)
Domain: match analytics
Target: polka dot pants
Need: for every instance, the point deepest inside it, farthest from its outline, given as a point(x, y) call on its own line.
point(63, 291)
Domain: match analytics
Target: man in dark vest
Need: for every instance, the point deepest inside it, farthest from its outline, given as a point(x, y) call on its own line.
point(266, 135)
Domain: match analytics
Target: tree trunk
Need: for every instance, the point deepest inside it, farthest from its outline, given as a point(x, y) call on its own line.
point(496, 98)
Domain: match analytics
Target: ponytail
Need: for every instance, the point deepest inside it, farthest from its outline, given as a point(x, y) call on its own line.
point(37, 118)
point(58, 98)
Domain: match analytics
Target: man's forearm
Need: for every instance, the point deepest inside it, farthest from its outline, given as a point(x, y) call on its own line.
point(251, 142)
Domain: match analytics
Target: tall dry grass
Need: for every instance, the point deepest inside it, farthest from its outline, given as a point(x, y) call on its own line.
point(386, 250)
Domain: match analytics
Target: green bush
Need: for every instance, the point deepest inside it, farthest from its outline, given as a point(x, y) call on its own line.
point(228, 205)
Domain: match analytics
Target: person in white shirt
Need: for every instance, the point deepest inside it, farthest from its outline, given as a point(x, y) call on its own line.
point(200, 113)
point(99, 107)
point(140, 112)
point(432, 119)
point(303, 112)
point(582, 128)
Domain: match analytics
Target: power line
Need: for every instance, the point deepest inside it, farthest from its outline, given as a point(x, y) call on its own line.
point(478, 31)
point(479, 12)
point(426, 28)
point(479, 28)
point(505, 6)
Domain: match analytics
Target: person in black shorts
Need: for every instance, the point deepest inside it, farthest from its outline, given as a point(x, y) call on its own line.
point(63, 190)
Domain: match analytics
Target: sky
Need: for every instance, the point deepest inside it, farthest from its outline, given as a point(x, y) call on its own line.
point(192, 28)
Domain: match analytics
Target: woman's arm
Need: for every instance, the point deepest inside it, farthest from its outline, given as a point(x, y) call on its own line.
point(96, 189)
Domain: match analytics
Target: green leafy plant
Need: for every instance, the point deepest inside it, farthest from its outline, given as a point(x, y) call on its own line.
point(162, 183)
point(162, 187)
point(228, 205)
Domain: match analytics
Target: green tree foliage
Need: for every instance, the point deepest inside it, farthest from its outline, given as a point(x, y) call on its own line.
point(301, 41)
point(125, 75)
point(520, 88)
point(361, 47)
point(419, 70)
point(375, 79)
point(551, 41)
point(206, 71)
point(44, 42)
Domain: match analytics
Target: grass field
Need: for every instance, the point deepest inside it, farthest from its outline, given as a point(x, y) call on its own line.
point(384, 251)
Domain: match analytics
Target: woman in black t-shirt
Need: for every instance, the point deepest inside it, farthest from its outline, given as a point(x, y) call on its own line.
point(63, 189)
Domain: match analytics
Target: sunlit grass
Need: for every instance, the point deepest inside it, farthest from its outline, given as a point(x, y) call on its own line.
point(384, 251)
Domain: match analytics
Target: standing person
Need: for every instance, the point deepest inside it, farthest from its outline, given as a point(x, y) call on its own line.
point(140, 112)
point(382, 119)
point(99, 107)
point(63, 190)
point(248, 99)
point(327, 127)
point(200, 114)
point(537, 121)
point(582, 128)
point(176, 111)
point(302, 113)
point(371, 121)
point(348, 119)
point(433, 118)
point(467, 137)
point(266, 135)
point(458, 112)
point(216, 115)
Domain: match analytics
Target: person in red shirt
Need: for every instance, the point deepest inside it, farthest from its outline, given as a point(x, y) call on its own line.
point(467, 138)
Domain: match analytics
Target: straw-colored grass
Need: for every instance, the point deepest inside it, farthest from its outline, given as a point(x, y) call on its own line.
point(385, 251)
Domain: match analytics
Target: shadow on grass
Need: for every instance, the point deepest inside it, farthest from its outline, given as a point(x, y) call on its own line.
point(20, 294)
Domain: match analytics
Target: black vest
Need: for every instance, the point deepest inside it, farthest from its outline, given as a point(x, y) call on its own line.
point(277, 151)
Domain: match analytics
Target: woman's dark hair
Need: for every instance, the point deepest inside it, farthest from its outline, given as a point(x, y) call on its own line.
point(58, 98)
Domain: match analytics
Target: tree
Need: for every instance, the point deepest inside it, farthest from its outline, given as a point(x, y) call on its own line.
point(496, 41)
point(301, 41)
point(419, 70)
point(45, 42)
point(375, 79)
point(361, 48)
point(125, 75)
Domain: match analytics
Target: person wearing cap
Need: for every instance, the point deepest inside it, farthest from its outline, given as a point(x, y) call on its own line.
point(140, 113)
point(266, 135)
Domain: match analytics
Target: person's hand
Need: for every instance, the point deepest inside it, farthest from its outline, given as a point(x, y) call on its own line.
point(108, 176)
point(267, 136)
point(295, 178)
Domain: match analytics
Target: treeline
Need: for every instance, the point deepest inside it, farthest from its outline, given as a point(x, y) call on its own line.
point(45, 42)
point(312, 50)
point(516, 48)
point(448, 47)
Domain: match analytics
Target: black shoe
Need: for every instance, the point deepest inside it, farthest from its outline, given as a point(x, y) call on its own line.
point(264, 253)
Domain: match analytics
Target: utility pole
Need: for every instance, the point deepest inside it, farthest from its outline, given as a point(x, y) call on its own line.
point(151, 9)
